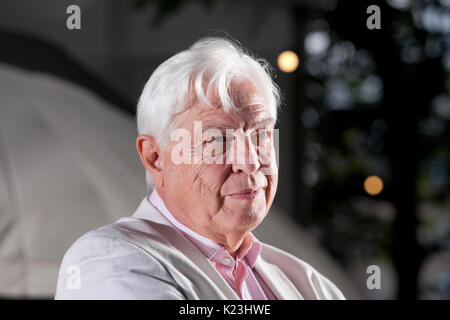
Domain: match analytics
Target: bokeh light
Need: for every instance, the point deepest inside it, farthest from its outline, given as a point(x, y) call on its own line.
point(288, 61)
point(373, 185)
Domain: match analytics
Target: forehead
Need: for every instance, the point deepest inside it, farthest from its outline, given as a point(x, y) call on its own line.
point(245, 118)
point(250, 109)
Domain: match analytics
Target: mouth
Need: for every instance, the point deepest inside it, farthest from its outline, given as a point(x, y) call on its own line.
point(247, 194)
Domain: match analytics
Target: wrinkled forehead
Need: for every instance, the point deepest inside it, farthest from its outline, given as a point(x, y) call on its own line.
point(247, 102)
point(251, 111)
point(247, 108)
point(245, 93)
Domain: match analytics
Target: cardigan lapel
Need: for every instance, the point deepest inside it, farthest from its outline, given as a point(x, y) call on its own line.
point(280, 285)
point(275, 279)
point(149, 212)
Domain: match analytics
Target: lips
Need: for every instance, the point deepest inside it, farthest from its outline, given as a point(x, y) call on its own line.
point(248, 194)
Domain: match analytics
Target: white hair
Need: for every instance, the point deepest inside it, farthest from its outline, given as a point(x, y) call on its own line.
point(211, 63)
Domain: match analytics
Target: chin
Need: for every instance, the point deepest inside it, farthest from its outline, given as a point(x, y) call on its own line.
point(251, 217)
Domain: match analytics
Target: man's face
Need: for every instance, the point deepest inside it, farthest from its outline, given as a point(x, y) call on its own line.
point(226, 187)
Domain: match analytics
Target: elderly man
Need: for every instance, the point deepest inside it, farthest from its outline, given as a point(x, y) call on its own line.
point(205, 121)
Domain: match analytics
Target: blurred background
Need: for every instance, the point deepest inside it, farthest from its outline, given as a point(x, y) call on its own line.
point(364, 130)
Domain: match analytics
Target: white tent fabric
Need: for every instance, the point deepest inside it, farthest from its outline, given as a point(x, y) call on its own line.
point(68, 164)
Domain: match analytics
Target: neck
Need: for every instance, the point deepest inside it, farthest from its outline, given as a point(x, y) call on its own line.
point(232, 242)
point(241, 247)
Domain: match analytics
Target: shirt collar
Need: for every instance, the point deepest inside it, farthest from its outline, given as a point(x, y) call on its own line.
point(249, 250)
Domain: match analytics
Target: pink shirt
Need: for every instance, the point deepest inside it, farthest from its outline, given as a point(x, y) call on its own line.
point(247, 284)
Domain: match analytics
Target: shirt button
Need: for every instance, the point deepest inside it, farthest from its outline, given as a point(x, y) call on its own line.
point(226, 261)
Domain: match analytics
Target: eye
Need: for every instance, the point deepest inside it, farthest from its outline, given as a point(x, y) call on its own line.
point(261, 135)
point(219, 139)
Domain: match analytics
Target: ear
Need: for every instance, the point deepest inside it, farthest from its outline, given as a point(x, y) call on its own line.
point(150, 153)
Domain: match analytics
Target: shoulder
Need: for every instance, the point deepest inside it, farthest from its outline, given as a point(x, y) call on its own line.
point(115, 262)
point(125, 235)
point(301, 274)
point(116, 237)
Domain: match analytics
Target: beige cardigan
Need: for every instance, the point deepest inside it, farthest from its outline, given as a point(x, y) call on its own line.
point(145, 257)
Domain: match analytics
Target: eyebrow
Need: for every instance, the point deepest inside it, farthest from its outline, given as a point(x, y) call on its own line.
point(264, 122)
point(217, 126)
point(258, 124)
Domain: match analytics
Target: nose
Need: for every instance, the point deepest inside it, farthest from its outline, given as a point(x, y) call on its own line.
point(245, 156)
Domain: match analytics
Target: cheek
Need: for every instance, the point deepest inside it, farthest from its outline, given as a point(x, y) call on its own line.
point(208, 180)
point(272, 183)
point(176, 179)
